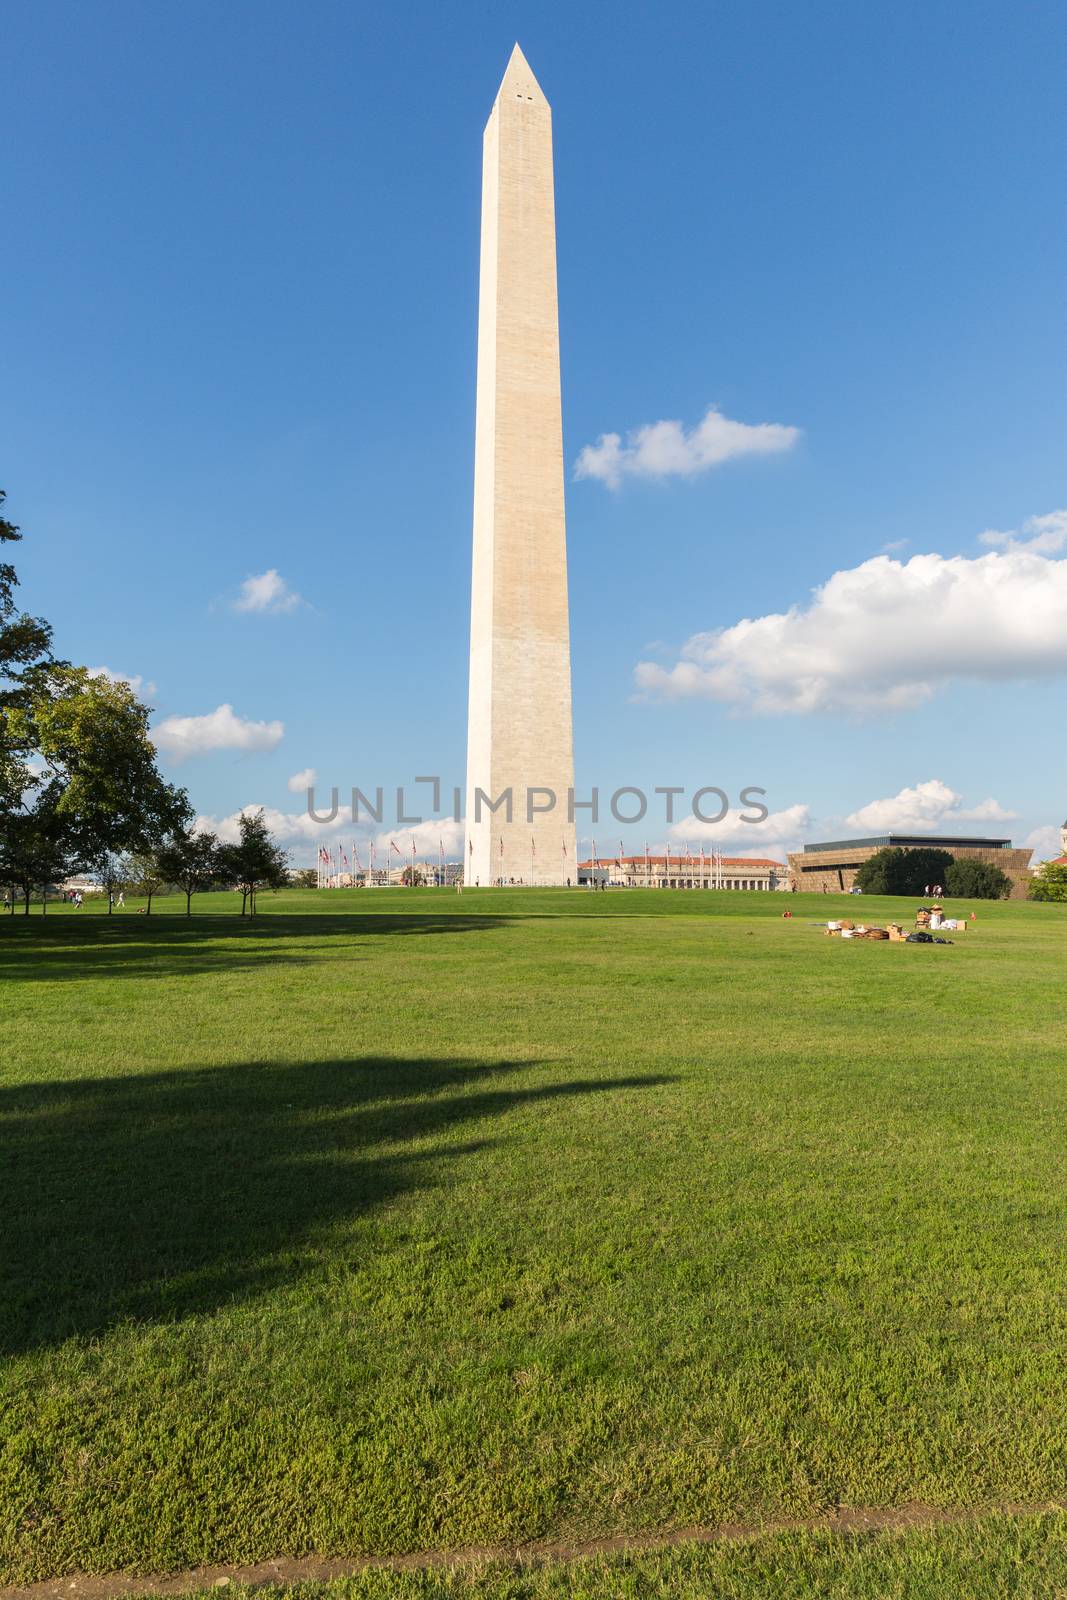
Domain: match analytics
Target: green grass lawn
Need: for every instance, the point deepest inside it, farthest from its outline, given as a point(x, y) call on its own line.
point(405, 1220)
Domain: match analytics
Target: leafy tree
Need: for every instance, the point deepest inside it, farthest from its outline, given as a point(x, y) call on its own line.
point(894, 870)
point(190, 860)
point(25, 643)
point(78, 776)
point(977, 880)
point(304, 878)
point(99, 764)
point(1050, 883)
point(34, 852)
point(255, 862)
point(413, 877)
point(144, 875)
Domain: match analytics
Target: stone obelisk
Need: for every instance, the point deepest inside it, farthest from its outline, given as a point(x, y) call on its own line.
point(519, 740)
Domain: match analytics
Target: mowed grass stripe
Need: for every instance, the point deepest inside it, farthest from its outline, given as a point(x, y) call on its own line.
point(487, 1218)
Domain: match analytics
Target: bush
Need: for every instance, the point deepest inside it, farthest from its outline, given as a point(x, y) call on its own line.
point(1051, 882)
point(977, 880)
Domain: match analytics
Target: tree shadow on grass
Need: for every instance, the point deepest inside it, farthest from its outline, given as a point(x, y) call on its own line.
point(152, 1198)
point(168, 947)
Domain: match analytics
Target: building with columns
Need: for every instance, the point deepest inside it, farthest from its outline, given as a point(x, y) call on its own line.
point(685, 872)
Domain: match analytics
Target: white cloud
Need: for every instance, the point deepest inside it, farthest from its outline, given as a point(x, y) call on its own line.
point(220, 729)
point(927, 807)
point(427, 837)
point(267, 592)
point(1043, 536)
point(300, 782)
point(294, 828)
point(1045, 842)
point(778, 833)
point(883, 636)
point(287, 827)
point(136, 682)
point(666, 449)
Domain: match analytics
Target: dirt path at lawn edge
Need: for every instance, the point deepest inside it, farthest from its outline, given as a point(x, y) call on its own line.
point(320, 1569)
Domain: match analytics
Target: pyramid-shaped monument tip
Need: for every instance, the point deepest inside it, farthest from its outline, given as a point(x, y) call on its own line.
point(519, 80)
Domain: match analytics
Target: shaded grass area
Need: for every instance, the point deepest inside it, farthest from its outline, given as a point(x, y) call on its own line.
point(465, 1219)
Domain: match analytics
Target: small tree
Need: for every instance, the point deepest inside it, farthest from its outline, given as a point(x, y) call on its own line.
point(412, 877)
point(1051, 882)
point(113, 870)
point(977, 880)
point(35, 851)
point(190, 860)
point(255, 862)
point(145, 875)
point(304, 878)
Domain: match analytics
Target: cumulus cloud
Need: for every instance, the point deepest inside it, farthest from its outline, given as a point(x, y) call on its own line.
point(300, 782)
point(1045, 842)
point(287, 827)
point(883, 636)
point(427, 838)
point(221, 729)
point(924, 808)
point(667, 449)
point(778, 833)
point(297, 828)
point(1044, 536)
point(136, 682)
point(267, 592)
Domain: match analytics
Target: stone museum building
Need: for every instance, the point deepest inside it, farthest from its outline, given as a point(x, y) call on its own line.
point(834, 865)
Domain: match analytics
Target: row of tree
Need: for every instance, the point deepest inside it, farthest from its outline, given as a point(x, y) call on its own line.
point(79, 785)
point(194, 862)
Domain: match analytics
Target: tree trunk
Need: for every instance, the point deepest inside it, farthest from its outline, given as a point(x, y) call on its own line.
point(44, 900)
point(27, 890)
point(148, 909)
point(244, 897)
point(188, 902)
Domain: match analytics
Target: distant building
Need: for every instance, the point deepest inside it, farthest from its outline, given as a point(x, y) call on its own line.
point(833, 865)
point(432, 872)
point(685, 872)
point(79, 884)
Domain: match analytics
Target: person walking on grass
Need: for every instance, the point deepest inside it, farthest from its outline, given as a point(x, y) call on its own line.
point(122, 898)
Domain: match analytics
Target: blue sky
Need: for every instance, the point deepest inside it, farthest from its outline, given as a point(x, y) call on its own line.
point(239, 312)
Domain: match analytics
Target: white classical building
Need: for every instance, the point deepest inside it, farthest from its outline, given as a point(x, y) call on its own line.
point(686, 872)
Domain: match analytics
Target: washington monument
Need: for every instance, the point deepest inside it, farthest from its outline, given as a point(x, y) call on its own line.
point(519, 743)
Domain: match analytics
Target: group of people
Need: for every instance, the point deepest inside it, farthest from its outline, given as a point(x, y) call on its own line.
point(934, 889)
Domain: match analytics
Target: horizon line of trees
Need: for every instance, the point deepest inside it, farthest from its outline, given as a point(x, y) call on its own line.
point(80, 790)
